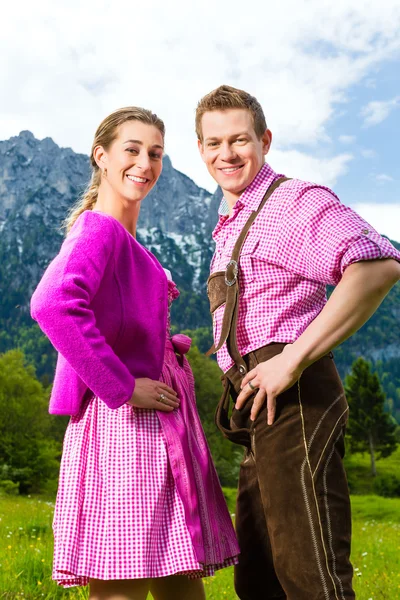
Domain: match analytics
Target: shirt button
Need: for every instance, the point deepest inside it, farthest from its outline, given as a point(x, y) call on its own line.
point(365, 231)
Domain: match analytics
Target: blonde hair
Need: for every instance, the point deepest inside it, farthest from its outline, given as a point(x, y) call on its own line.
point(105, 134)
point(225, 97)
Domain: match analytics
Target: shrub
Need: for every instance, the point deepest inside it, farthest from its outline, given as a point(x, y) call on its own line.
point(387, 485)
point(9, 487)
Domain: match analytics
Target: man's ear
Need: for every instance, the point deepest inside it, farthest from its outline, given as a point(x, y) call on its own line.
point(201, 149)
point(267, 141)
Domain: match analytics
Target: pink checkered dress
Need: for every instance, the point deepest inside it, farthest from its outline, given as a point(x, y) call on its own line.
point(123, 509)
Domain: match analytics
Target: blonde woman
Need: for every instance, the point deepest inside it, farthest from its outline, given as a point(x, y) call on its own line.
point(139, 507)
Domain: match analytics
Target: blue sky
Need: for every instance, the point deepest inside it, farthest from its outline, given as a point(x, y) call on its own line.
point(327, 75)
point(373, 175)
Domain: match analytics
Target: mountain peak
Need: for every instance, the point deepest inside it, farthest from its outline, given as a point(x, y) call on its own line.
point(26, 135)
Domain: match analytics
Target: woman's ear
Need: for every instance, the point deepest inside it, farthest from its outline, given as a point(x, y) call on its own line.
point(100, 156)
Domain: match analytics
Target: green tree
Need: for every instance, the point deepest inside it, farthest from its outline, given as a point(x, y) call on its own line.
point(28, 453)
point(370, 427)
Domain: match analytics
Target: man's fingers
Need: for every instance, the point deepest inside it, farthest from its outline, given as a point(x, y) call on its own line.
point(257, 405)
point(244, 394)
point(250, 375)
point(271, 409)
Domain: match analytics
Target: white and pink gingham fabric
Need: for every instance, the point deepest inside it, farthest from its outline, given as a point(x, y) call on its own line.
point(119, 511)
point(302, 240)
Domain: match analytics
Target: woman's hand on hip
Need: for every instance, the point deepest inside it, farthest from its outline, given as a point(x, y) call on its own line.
point(154, 395)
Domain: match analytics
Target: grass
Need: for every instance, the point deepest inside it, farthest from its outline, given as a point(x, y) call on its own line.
point(26, 551)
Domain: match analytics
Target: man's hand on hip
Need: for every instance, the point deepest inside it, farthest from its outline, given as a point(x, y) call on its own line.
point(270, 378)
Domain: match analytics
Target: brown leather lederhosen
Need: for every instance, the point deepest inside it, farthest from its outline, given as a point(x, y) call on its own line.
point(293, 511)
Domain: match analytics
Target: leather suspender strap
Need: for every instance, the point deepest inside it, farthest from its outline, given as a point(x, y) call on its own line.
point(229, 321)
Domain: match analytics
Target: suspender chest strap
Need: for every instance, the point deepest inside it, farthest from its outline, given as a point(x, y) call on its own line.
point(223, 287)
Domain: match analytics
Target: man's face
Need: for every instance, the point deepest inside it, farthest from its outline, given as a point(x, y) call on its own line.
point(231, 150)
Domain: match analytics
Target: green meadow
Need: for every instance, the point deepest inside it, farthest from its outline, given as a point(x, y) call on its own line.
point(26, 551)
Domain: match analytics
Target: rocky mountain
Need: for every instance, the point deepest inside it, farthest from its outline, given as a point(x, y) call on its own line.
point(39, 182)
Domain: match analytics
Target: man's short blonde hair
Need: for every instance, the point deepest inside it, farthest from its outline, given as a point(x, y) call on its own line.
point(226, 97)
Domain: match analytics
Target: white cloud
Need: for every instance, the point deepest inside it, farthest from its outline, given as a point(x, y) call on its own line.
point(377, 111)
point(368, 153)
point(303, 166)
point(385, 218)
point(383, 178)
point(347, 139)
point(65, 66)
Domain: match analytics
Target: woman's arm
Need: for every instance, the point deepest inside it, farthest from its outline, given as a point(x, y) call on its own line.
point(61, 305)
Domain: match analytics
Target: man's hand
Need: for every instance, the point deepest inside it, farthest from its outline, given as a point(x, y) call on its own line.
point(155, 395)
point(356, 297)
point(271, 378)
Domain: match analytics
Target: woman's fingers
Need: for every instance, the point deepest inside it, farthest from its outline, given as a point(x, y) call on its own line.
point(154, 394)
point(165, 388)
point(162, 407)
point(166, 398)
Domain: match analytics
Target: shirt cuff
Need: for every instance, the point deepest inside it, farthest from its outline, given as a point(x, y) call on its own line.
point(369, 246)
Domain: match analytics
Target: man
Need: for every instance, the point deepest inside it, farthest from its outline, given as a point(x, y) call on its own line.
point(293, 510)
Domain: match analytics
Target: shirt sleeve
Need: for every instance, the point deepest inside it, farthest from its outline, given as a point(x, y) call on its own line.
point(320, 237)
point(61, 305)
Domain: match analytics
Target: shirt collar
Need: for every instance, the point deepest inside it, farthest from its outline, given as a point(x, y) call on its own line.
point(254, 192)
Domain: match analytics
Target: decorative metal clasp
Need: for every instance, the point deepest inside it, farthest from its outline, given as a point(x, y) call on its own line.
point(235, 269)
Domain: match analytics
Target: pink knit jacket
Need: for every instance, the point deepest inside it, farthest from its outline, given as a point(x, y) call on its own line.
point(103, 304)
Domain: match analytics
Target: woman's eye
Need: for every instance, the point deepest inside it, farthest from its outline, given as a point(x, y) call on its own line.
point(156, 156)
point(132, 150)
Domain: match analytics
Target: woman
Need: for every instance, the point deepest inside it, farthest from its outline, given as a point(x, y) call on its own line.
point(139, 507)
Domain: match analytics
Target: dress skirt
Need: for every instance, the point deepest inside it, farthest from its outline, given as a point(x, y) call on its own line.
point(118, 513)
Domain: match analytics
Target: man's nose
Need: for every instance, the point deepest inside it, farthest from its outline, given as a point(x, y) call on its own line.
point(227, 152)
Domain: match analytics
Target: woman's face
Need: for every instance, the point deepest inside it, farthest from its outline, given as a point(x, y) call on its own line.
point(133, 161)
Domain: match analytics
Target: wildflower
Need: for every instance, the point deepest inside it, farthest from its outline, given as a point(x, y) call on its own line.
point(364, 554)
point(39, 583)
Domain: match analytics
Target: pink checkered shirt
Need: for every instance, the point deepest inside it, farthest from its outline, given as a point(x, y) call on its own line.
point(302, 240)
